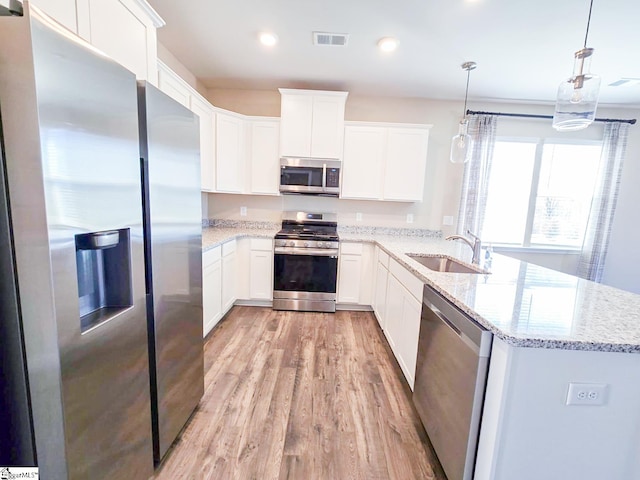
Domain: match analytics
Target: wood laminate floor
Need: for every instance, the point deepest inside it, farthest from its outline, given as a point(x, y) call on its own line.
point(304, 396)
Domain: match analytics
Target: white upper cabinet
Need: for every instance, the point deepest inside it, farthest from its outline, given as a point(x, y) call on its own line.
point(406, 163)
point(173, 85)
point(364, 161)
point(229, 153)
point(63, 11)
point(384, 161)
point(263, 160)
point(123, 29)
point(207, 116)
point(312, 123)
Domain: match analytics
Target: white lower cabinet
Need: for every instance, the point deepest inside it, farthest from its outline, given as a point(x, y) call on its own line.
point(218, 283)
point(228, 275)
point(261, 269)
point(380, 288)
point(355, 273)
point(211, 289)
point(402, 317)
point(255, 271)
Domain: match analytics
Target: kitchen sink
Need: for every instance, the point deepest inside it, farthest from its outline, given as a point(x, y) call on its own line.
point(442, 263)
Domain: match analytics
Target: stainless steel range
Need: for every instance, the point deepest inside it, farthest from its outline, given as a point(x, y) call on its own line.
point(306, 263)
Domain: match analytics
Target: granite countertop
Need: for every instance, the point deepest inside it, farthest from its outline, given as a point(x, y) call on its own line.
point(523, 304)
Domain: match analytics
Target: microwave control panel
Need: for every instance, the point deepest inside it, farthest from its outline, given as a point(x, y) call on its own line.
point(333, 177)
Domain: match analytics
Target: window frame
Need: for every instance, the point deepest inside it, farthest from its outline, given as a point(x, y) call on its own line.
point(540, 142)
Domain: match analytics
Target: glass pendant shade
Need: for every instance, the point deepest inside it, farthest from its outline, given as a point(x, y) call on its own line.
point(461, 144)
point(577, 98)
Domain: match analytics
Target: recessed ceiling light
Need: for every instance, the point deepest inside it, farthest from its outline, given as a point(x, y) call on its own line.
point(268, 39)
point(388, 44)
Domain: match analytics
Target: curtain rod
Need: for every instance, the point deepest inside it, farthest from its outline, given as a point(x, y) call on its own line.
point(631, 121)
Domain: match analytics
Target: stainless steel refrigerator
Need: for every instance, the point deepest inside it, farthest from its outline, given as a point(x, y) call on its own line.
point(74, 359)
point(170, 165)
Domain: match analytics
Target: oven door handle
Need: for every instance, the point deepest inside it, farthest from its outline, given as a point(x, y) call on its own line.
point(316, 252)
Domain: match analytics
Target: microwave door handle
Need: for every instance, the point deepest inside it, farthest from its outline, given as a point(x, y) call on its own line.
point(324, 177)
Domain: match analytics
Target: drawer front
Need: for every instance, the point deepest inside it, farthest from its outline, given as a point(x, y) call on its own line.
point(211, 256)
point(383, 258)
point(351, 248)
point(407, 279)
point(262, 244)
point(228, 248)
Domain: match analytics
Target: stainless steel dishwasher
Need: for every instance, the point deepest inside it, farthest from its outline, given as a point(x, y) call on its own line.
point(451, 375)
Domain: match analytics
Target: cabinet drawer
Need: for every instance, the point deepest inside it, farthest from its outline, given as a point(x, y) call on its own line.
point(210, 256)
point(262, 244)
point(383, 258)
point(407, 279)
point(228, 248)
point(351, 248)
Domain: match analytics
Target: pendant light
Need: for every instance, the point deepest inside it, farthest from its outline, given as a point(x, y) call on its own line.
point(461, 143)
point(577, 98)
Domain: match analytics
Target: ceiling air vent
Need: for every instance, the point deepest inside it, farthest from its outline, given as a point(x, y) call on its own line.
point(330, 39)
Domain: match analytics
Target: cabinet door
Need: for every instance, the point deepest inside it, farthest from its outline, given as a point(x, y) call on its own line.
point(295, 125)
point(173, 86)
point(393, 312)
point(207, 142)
point(63, 11)
point(327, 127)
point(405, 164)
point(407, 341)
point(264, 159)
point(349, 278)
point(211, 295)
point(363, 163)
point(229, 153)
point(228, 281)
point(261, 280)
point(119, 34)
point(380, 295)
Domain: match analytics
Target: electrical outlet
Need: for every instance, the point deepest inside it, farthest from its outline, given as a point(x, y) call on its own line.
point(243, 211)
point(358, 217)
point(409, 217)
point(447, 220)
point(587, 394)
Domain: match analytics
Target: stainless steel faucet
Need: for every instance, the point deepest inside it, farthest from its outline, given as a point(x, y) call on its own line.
point(476, 245)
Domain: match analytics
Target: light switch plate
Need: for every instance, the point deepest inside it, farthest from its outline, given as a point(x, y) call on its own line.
point(409, 217)
point(447, 220)
point(358, 217)
point(243, 211)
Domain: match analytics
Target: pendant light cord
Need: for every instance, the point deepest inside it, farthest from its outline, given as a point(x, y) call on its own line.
point(466, 92)
point(588, 23)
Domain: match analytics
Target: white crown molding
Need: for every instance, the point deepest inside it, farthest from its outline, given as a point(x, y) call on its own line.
point(157, 20)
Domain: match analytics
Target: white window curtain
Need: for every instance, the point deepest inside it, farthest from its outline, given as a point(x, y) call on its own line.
point(603, 205)
point(475, 181)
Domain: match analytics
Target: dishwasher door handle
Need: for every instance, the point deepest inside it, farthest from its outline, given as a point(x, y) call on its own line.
point(464, 338)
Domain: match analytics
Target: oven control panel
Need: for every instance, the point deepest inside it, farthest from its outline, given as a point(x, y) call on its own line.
point(306, 244)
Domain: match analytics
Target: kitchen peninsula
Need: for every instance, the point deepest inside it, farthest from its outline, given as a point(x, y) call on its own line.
point(550, 329)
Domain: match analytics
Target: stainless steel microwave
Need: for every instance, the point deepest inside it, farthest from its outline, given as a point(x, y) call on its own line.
point(311, 176)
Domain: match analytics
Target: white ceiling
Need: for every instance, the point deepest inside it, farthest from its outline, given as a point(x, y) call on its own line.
point(523, 48)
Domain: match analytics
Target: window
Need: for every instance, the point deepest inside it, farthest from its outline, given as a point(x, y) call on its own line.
point(540, 193)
